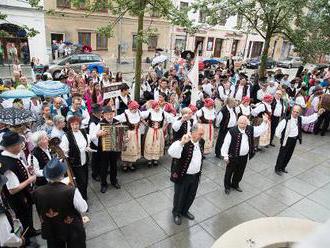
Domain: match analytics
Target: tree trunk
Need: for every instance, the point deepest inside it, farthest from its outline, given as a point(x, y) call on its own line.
point(264, 55)
point(139, 51)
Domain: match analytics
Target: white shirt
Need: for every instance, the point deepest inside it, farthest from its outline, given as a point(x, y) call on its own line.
point(175, 151)
point(239, 92)
point(13, 181)
point(261, 108)
point(208, 114)
point(300, 100)
point(81, 142)
point(232, 118)
point(293, 125)
point(7, 238)
point(244, 149)
point(78, 202)
point(260, 94)
point(158, 116)
point(123, 98)
point(224, 93)
point(278, 108)
point(56, 133)
point(177, 125)
point(36, 167)
point(245, 110)
point(272, 89)
point(207, 88)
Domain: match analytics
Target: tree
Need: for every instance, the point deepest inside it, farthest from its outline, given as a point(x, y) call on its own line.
point(311, 36)
point(267, 17)
point(139, 9)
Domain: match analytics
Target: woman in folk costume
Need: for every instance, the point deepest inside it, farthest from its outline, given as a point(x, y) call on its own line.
point(154, 139)
point(263, 108)
point(132, 118)
point(312, 107)
point(244, 107)
point(206, 116)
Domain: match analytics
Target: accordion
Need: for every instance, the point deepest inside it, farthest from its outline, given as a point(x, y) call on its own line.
point(116, 141)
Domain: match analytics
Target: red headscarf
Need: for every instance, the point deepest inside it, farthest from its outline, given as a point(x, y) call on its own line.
point(208, 102)
point(245, 99)
point(169, 108)
point(268, 98)
point(154, 104)
point(193, 108)
point(133, 105)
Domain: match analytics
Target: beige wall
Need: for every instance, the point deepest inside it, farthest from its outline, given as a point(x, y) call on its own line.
point(73, 22)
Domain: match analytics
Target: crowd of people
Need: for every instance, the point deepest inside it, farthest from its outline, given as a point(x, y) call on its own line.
point(233, 117)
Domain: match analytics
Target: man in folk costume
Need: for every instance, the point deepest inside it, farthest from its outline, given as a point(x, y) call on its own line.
point(39, 156)
point(154, 139)
point(226, 119)
point(278, 111)
point(59, 207)
point(262, 108)
point(289, 130)
point(123, 99)
point(107, 158)
point(206, 116)
point(237, 148)
point(183, 124)
point(187, 155)
point(19, 185)
point(241, 89)
point(93, 122)
point(132, 118)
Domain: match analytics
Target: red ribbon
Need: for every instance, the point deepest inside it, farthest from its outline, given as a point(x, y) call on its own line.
point(155, 134)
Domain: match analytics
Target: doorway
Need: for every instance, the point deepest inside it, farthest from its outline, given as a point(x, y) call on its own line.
point(218, 47)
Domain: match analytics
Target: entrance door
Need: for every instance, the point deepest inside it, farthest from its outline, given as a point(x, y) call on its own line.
point(217, 47)
point(56, 37)
point(199, 45)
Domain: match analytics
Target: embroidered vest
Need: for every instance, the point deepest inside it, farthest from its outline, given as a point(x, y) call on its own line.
point(236, 140)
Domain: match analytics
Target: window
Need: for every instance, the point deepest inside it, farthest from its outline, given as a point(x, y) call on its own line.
point(63, 3)
point(152, 44)
point(202, 16)
point(101, 42)
point(210, 44)
point(134, 42)
point(184, 6)
point(234, 47)
point(74, 59)
point(239, 21)
point(84, 38)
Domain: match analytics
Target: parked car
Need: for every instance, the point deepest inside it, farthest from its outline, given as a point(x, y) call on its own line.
point(75, 61)
point(255, 62)
point(290, 62)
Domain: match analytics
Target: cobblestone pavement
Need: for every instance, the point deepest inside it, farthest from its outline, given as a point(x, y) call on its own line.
point(139, 214)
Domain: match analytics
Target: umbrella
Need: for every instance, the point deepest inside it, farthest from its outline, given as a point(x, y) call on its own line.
point(213, 61)
point(99, 68)
point(87, 48)
point(14, 116)
point(18, 93)
point(187, 54)
point(159, 59)
point(68, 43)
point(50, 88)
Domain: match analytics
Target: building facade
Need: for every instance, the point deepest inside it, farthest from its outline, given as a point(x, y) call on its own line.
point(70, 24)
point(20, 13)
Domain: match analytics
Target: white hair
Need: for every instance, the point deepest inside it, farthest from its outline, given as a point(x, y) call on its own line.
point(36, 136)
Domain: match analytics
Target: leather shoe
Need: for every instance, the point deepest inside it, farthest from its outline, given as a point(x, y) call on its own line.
point(227, 191)
point(284, 171)
point(177, 220)
point(189, 216)
point(104, 189)
point(238, 189)
point(278, 172)
point(116, 185)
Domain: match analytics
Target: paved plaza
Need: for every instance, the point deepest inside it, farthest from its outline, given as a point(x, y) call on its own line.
point(139, 214)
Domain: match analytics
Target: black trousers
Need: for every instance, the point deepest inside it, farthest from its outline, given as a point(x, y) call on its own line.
point(285, 154)
point(95, 163)
point(74, 243)
point(322, 123)
point(274, 122)
point(25, 215)
point(234, 171)
point(184, 194)
point(220, 139)
point(108, 159)
point(81, 175)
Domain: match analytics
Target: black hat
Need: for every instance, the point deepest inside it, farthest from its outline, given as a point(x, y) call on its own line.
point(11, 138)
point(96, 108)
point(54, 169)
point(107, 109)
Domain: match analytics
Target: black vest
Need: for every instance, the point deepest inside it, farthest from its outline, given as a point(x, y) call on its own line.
point(299, 124)
point(273, 105)
point(204, 120)
point(74, 152)
point(183, 129)
point(43, 159)
point(236, 139)
point(59, 219)
point(21, 199)
point(122, 106)
point(225, 119)
point(96, 121)
point(245, 90)
point(180, 166)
